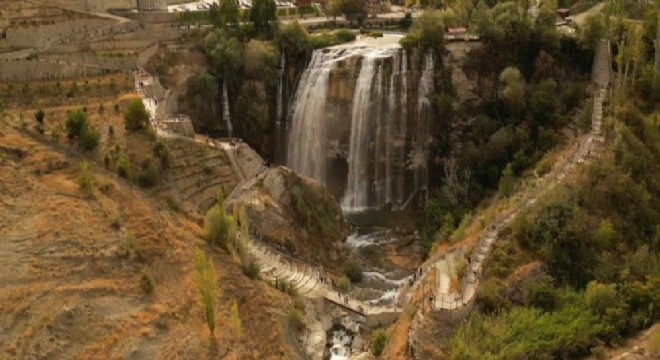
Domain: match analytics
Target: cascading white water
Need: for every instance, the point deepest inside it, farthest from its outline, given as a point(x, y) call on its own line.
point(422, 136)
point(383, 151)
point(306, 152)
point(225, 110)
point(357, 190)
point(280, 87)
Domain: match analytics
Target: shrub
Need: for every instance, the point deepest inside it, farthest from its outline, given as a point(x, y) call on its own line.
point(235, 322)
point(344, 35)
point(106, 160)
point(353, 271)
point(146, 281)
point(39, 116)
point(123, 166)
point(85, 180)
point(250, 267)
point(136, 117)
point(378, 342)
point(217, 228)
point(111, 131)
point(297, 319)
point(343, 283)
point(163, 153)
point(149, 176)
point(76, 122)
point(89, 138)
point(205, 279)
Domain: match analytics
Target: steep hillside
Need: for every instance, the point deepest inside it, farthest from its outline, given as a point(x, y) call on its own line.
point(75, 270)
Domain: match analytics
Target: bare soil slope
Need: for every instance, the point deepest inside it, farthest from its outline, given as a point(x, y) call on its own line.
point(70, 270)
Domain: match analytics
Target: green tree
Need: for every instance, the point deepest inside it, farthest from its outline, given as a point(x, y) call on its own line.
point(293, 39)
point(205, 94)
point(136, 117)
point(89, 138)
point(334, 8)
point(123, 166)
point(592, 31)
point(378, 342)
point(599, 297)
point(428, 32)
point(236, 332)
point(226, 56)
point(513, 91)
point(76, 121)
point(262, 14)
point(218, 226)
point(205, 279)
point(85, 180)
point(227, 12)
point(507, 181)
point(39, 116)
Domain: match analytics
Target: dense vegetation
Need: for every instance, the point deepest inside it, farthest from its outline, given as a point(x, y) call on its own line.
point(597, 237)
point(528, 95)
point(246, 60)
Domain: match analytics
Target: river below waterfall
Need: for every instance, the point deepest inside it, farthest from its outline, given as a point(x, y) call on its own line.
point(386, 247)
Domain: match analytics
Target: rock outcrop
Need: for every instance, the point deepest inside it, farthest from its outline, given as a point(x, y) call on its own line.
point(292, 213)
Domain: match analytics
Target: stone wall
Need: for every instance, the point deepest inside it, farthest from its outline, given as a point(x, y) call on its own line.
point(43, 37)
point(27, 70)
point(93, 5)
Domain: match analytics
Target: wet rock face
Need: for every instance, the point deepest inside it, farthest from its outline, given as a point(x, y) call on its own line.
point(293, 213)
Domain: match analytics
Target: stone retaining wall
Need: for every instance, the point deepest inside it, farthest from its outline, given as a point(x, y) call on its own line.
point(27, 70)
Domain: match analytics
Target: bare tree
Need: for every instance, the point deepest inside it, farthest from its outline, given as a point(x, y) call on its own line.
point(456, 187)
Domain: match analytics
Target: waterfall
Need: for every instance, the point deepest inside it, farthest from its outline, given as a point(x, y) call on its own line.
point(306, 151)
point(225, 110)
point(356, 195)
point(280, 86)
point(350, 128)
point(403, 130)
point(420, 152)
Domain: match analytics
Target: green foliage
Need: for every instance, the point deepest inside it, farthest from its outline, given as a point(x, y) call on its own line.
point(427, 32)
point(136, 117)
point(163, 153)
point(218, 225)
point(353, 271)
point(205, 93)
point(524, 333)
point(312, 210)
point(149, 176)
point(76, 122)
point(85, 180)
point(343, 283)
point(146, 281)
point(507, 182)
point(39, 116)
point(205, 279)
point(600, 297)
point(285, 286)
point(250, 267)
point(262, 14)
point(123, 166)
point(293, 39)
point(89, 138)
point(236, 332)
point(224, 14)
point(297, 319)
point(592, 31)
point(378, 341)
point(77, 125)
point(327, 39)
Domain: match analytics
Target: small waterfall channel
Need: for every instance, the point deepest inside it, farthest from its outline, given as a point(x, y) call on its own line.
point(353, 128)
point(225, 110)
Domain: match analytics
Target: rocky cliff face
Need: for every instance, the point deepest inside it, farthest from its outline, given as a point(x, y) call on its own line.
point(293, 213)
